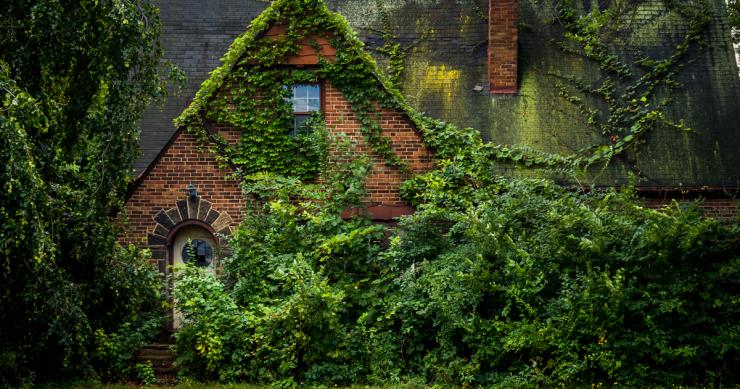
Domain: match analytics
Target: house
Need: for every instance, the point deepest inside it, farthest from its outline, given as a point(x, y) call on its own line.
point(250, 116)
point(500, 66)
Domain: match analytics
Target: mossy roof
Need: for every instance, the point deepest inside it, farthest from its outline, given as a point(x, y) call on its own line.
point(275, 14)
point(446, 65)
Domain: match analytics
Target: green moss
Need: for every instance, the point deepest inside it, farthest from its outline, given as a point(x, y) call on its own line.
point(425, 82)
point(251, 66)
point(542, 117)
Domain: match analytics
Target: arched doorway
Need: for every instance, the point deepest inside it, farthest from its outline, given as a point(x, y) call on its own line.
point(191, 243)
point(193, 219)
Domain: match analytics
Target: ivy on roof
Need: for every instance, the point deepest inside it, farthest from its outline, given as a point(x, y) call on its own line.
point(251, 66)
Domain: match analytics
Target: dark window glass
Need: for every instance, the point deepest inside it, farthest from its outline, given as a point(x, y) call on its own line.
point(299, 125)
point(199, 252)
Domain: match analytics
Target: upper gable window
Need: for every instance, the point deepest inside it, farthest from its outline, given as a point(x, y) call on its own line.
point(305, 100)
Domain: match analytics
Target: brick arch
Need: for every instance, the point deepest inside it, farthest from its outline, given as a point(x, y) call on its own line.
point(189, 211)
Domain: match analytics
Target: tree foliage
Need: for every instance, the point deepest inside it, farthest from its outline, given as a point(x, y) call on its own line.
point(733, 12)
point(75, 78)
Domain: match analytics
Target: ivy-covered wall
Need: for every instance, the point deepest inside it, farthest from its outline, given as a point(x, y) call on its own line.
point(438, 50)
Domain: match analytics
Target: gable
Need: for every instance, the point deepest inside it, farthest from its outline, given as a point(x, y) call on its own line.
point(312, 47)
point(293, 43)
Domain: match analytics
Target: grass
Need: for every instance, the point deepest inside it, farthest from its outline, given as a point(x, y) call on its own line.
point(200, 385)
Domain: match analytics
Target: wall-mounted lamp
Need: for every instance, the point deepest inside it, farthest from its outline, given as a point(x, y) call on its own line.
point(192, 192)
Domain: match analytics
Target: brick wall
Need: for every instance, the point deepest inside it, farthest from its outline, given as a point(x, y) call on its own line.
point(384, 181)
point(502, 46)
point(159, 204)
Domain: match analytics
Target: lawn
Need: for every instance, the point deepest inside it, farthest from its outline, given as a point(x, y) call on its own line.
point(198, 385)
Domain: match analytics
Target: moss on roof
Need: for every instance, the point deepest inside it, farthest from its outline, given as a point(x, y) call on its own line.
point(278, 12)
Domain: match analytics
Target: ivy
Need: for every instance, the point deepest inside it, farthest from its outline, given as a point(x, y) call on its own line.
point(256, 105)
point(392, 49)
point(633, 104)
point(252, 70)
point(265, 144)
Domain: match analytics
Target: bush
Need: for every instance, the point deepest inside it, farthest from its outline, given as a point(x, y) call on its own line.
point(534, 284)
point(519, 282)
point(74, 81)
point(293, 288)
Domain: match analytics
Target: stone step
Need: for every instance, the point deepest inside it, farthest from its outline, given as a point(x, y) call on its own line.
point(162, 357)
point(156, 358)
point(155, 352)
point(159, 346)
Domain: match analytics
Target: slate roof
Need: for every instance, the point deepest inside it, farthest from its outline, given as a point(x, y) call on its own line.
point(446, 65)
point(195, 34)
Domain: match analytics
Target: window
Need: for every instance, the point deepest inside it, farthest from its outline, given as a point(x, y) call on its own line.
point(305, 100)
point(198, 251)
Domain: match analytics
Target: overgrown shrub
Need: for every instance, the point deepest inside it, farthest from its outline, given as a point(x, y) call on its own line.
point(290, 293)
point(530, 283)
point(493, 281)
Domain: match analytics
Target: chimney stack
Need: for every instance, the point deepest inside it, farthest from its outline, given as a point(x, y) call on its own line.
point(503, 36)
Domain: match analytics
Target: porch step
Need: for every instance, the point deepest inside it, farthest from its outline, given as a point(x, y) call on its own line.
point(162, 358)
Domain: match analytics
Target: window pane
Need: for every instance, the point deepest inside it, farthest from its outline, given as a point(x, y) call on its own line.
point(198, 251)
point(314, 91)
point(300, 105)
point(314, 104)
point(299, 126)
point(306, 97)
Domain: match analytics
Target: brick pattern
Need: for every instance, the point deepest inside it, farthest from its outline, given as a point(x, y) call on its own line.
point(502, 46)
point(384, 181)
point(307, 53)
point(722, 209)
point(159, 203)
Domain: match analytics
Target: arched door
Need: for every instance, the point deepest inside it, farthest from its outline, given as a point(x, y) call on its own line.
point(192, 244)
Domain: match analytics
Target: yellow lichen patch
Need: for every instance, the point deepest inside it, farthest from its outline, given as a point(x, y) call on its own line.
point(464, 24)
point(436, 82)
point(528, 113)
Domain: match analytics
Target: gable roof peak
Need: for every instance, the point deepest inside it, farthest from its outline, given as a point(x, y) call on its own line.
point(297, 15)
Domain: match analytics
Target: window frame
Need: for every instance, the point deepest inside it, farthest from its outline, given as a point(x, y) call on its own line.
point(322, 101)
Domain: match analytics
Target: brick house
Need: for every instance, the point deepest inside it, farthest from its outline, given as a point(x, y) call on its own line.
point(186, 194)
point(485, 64)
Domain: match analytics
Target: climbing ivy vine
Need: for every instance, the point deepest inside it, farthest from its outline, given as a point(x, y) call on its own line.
point(253, 69)
point(632, 98)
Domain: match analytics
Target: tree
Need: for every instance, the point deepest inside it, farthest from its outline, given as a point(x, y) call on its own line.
point(75, 79)
point(733, 11)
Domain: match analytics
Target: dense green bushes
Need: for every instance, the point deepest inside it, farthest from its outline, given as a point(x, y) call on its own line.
point(535, 284)
point(74, 79)
point(492, 281)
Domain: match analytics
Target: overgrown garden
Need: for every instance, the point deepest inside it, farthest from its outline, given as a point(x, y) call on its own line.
point(493, 281)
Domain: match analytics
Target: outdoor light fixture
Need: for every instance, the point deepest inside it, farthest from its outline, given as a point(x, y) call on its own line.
point(192, 192)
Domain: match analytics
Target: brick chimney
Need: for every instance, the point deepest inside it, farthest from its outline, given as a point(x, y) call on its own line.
point(502, 46)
